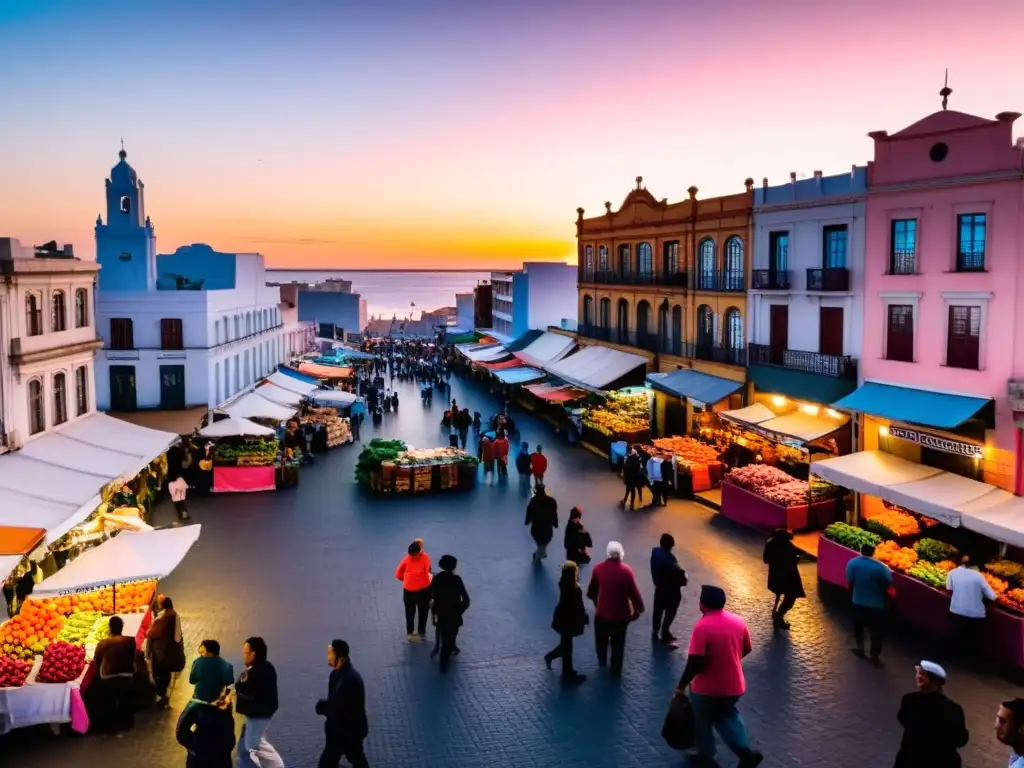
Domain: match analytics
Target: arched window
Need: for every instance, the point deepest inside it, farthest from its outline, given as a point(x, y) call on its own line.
point(733, 277)
point(644, 260)
point(33, 314)
point(606, 313)
point(58, 312)
point(643, 322)
point(706, 264)
point(60, 399)
point(677, 329)
point(671, 259)
point(602, 259)
point(588, 311)
point(705, 326)
point(663, 328)
point(623, 321)
point(81, 308)
point(588, 262)
point(733, 329)
point(625, 268)
point(36, 407)
point(82, 390)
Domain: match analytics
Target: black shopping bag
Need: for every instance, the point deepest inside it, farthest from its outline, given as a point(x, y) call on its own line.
point(679, 730)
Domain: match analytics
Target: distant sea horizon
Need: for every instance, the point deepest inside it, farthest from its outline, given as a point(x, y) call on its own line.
point(394, 292)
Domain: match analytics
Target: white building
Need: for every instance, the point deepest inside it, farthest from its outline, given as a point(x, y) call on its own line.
point(541, 294)
point(47, 339)
point(805, 312)
point(192, 328)
point(465, 309)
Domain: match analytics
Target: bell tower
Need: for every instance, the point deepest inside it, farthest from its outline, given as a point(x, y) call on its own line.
point(126, 244)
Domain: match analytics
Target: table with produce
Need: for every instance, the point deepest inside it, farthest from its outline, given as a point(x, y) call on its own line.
point(622, 417)
point(47, 649)
point(245, 465)
point(702, 462)
point(919, 577)
point(764, 497)
point(391, 466)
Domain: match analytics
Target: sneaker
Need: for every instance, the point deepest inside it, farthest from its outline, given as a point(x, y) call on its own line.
point(668, 637)
point(412, 637)
point(573, 678)
point(751, 760)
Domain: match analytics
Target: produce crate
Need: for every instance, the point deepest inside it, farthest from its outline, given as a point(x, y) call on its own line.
point(403, 480)
point(422, 479)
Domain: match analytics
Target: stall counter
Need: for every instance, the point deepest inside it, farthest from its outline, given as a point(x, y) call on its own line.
point(927, 608)
point(755, 511)
point(243, 479)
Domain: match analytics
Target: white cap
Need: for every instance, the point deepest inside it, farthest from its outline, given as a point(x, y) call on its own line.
point(615, 550)
point(933, 669)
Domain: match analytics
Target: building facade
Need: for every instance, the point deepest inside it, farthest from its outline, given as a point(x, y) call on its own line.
point(539, 295)
point(669, 279)
point(191, 328)
point(943, 282)
point(345, 310)
point(805, 308)
point(47, 340)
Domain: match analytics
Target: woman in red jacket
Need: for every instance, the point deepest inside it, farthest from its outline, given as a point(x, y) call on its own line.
point(500, 448)
point(414, 573)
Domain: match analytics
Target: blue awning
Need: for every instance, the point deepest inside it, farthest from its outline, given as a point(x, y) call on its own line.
point(694, 384)
point(917, 406)
point(518, 375)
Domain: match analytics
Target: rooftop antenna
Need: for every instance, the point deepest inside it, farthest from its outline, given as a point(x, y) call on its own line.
point(946, 91)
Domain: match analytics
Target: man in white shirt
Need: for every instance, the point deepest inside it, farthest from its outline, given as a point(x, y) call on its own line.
point(967, 606)
point(1010, 729)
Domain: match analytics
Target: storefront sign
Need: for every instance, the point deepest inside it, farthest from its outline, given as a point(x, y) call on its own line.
point(945, 444)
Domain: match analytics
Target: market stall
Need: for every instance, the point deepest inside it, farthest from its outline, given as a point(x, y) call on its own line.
point(390, 466)
point(336, 430)
point(244, 455)
point(685, 397)
point(620, 416)
point(252, 405)
point(47, 649)
point(696, 466)
point(329, 372)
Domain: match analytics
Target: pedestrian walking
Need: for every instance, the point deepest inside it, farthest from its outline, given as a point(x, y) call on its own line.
point(1010, 729)
point(614, 592)
point(178, 488)
point(115, 661)
point(569, 620)
point(539, 465)
point(256, 701)
point(356, 415)
point(782, 556)
point(669, 578)
point(633, 477)
point(542, 517)
point(344, 710)
point(165, 650)
point(487, 455)
point(414, 573)
point(210, 674)
point(714, 674)
point(463, 422)
point(577, 538)
point(933, 725)
point(655, 475)
point(207, 731)
point(870, 581)
point(501, 451)
point(451, 601)
point(967, 607)
point(524, 466)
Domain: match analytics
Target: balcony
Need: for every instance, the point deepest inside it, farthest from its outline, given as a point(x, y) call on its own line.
point(836, 367)
point(714, 353)
point(598, 332)
point(649, 342)
point(724, 282)
point(826, 280)
point(902, 261)
point(677, 279)
point(769, 280)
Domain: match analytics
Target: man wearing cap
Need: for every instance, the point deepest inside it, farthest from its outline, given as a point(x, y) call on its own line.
point(614, 591)
point(933, 725)
point(450, 601)
point(714, 674)
point(1010, 729)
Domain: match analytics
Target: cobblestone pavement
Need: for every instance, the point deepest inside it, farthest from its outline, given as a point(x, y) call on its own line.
point(304, 566)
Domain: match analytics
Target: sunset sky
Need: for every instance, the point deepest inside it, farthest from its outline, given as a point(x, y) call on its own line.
point(457, 133)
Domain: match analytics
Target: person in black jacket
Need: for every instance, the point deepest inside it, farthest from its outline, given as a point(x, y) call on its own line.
point(542, 517)
point(207, 731)
point(345, 710)
point(450, 601)
point(569, 620)
point(256, 695)
point(933, 725)
point(577, 538)
point(781, 556)
point(669, 578)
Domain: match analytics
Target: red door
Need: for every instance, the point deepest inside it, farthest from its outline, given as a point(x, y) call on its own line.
point(779, 332)
point(830, 331)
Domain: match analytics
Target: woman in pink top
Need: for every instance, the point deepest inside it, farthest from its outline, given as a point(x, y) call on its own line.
point(714, 673)
point(414, 573)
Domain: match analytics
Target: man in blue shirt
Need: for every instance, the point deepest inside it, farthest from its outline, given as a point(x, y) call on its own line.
point(870, 581)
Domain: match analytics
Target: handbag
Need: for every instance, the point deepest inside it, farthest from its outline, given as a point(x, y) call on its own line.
point(680, 728)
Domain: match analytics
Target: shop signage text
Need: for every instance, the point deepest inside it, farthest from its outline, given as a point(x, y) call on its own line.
point(926, 440)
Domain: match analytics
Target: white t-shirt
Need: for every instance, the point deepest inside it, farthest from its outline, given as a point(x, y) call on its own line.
point(1016, 761)
point(969, 589)
point(178, 488)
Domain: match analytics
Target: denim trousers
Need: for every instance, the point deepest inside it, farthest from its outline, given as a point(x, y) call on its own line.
point(718, 713)
point(252, 743)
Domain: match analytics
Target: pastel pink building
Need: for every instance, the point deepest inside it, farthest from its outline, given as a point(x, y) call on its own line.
point(944, 278)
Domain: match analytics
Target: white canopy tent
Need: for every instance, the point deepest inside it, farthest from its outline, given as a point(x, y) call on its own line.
point(7, 565)
point(870, 472)
point(797, 425)
point(126, 557)
point(278, 395)
point(546, 348)
point(235, 427)
point(252, 405)
point(752, 414)
point(332, 397)
point(290, 383)
point(482, 353)
point(596, 367)
point(998, 515)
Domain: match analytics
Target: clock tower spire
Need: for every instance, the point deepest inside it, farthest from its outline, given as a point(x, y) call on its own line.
point(126, 243)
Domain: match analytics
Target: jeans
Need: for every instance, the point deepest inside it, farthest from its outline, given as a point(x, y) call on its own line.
point(115, 695)
point(967, 634)
point(541, 553)
point(873, 620)
point(419, 599)
point(563, 651)
point(631, 496)
point(252, 743)
point(336, 749)
point(161, 679)
point(666, 603)
point(718, 713)
point(449, 634)
point(610, 632)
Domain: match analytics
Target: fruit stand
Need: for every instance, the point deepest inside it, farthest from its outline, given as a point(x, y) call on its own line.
point(765, 498)
point(698, 466)
point(390, 466)
point(47, 649)
point(623, 416)
point(244, 455)
point(919, 578)
point(337, 429)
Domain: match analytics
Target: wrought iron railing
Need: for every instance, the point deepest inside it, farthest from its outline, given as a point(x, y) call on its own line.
point(676, 279)
point(828, 279)
point(714, 353)
point(970, 258)
point(903, 261)
point(726, 282)
point(835, 366)
point(769, 280)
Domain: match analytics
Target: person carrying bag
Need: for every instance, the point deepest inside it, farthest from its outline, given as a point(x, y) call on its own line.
point(680, 727)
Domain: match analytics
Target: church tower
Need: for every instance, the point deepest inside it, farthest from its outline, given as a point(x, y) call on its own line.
point(126, 244)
